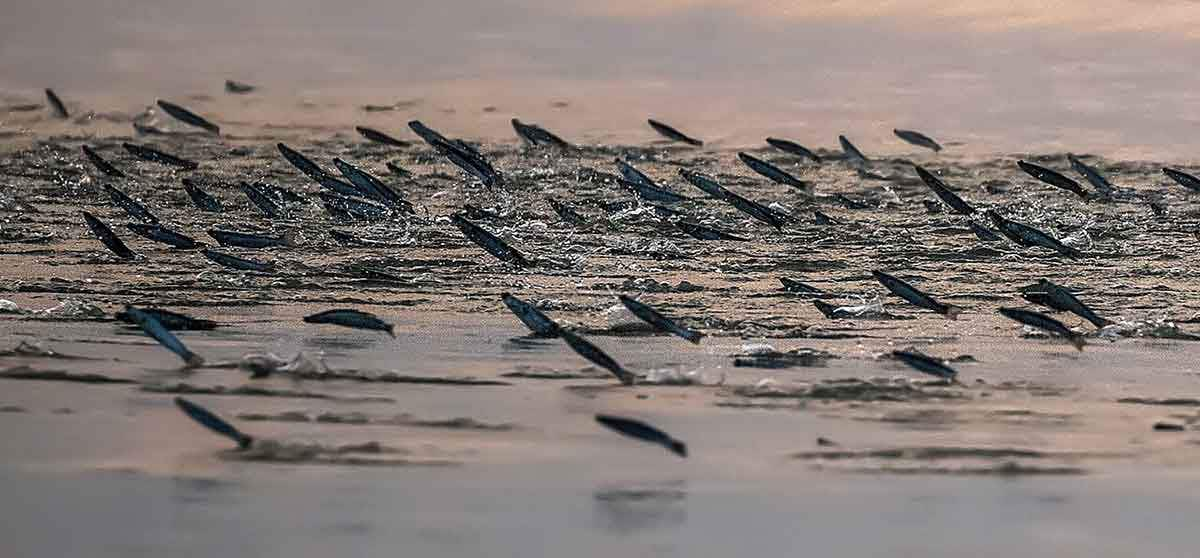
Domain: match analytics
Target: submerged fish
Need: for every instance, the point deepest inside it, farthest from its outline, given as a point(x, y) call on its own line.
point(539, 323)
point(671, 133)
point(170, 320)
point(234, 262)
point(1091, 174)
point(705, 183)
point(596, 356)
point(652, 193)
point(152, 155)
point(131, 206)
point(159, 332)
point(1044, 323)
point(654, 318)
point(237, 87)
point(1053, 178)
point(188, 117)
point(108, 237)
point(794, 286)
point(1054, 296)
point(380, 137)
point(1184, 179)
point(791, 147)
point(102, 165)
point(261, 200)
point(701, 232)
point(536, 135)
point(566, 213)
point(1028, 236)
point(490, 242)
point(918, 139)
point(853, 155)
point(351, 318)
point(159, 233)
point(943, 192)
point(914, 296)
point(773, 172)
point(57, 108)
point(249, 240)
point(214, 423)
point(642, 431)
point(927, 364)
point(200, 198)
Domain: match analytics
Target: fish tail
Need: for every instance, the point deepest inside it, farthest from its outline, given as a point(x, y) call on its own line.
point(952, 311)
point(678, 448)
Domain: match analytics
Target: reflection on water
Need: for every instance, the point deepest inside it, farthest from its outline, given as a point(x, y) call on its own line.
point(628, 508)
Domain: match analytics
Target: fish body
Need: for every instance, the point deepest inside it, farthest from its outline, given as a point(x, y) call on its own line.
point(131, 206)
point(823, 219)
point(642, 431)
point(237, 87)
point(249, 240)
point(652, 193)
point(159, 233)
point(536, 135)
point(107, 237)
point(773, 172)
point(261, 200)
point(830, 311)
point(747, 206)
point(927, 364)
point(152, 155)
point(1184, 179)
point(566, 213)
point(380, 137)
point(654, 318)
point(589, 351)
point(57, 108)
point(470, 161)
point(673, 134)
point(914, 296)
point(214, 423)
point(1053, 178)
point(100, 164)
point(372, 187)
point(632, 174)
point(1051, 295)
point(351, 318)
point(918, 139)
point(188, 117)
point(701, 232)
point(234, 262)
point(1092, 175)
point(943, 192)
point(156, 330)
point(171, 320)
point(794, 286)
point(793, 148)
point(490, 242)
point(302, 163)
point(353, 209)
point(983, 233)
point(853, 155)
point(705, 183)
point(200, 198)
point(1044, 323)
point(539, 323)
point(1028, 236)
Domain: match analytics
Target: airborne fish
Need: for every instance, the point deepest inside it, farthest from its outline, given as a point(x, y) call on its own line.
point(652, 193)
point(671, 133)
point(1184, 179)
point(1053, 178)
point(56, 105)
point(372, 187)
point(537, 322)
point(171, 320)
point(791, 147)
point(380, 137)
point(956, 203)
point(632, 174)
point(214, 423)
point(490, 242)
point(159, 332)
point(914, 296)
point(747, 206)
point(351, 318)
point(927, 364)
point(159, 233)
point(536, 135)
point(352, 209)
point(261, 200)
point(1051, 295)
point(1091, 174)
point(200, 198)
point(852, 154)
point(155, 156)
point(918, 139)
point(131, 206)
point(104, 166)
point(1028, 236)
point(106, 236)
point(654, 318)
point(248, 240)
point(1044, 323)
point(701, 232)
point(596, 356)
point(237, 87)
point(470, 161)
point(188, 117)
point(705, 183)
point(642, 431)
point(234, 262)
point(773, 172)
point(302, 163)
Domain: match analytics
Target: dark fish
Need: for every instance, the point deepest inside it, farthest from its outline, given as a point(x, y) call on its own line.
point(1091, 174)
point(642, 431)
point(927, 364)
point(568, 215)
point(372, 187)
point(1184, 179)
point(773, 172)
point(1057, 297)
point(537, 135)
point(701, 232)
point(470, 161)
point(853, 155)
point(188, 117)
point(214, 423)
point(56, 105)
point(912, 295)
point(261, 200)
point(302, 163)
point(131, 206)
point(983, 233)
point(1044, 323)
point(237, 87)
point(170, 320)
point(537, 322)
point(353, 209)
point(654, 318)
point(632, 174)
point(202, 199)
point(248, 240)
point(107, 237)
point(823, 219)
point(380, 137)
point(159, 332)
point(918, 139)
point(104, 167)
point(1025, 235)
point(652, 193)
point(705, 183)
point(956, 203)
point(749, 207)
point(235, 262)
point(793, 148)
point(671, 133)
point(398, 170)
point(351, 318)
point(794, 286)
point(1052, 178)
point(831, 311)
point(155, 156)
point(489, 242)
point(596, 356)
point(159, 233)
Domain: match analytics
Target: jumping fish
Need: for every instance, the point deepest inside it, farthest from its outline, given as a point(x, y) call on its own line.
point(261, 200)
point(566, 213)
point(155, 156)
point(1025, 235)
point(983, 233)
point(793, 148)
point(1044, 323)
point(596, 356)
point(372, 187)
point(654, 318)
point(671, 133)
point(248, 240)
point(200, 198)
point(539, 323)
point(652, 193)
point(918, 139)
point(214, 423)
point(701, 232)
point(794, 286)
point(1052, 178)
point(642, 431)
point(773, 172)
point(1184, 179)
point(352, 209)
point(108, 237)
point(1051, 295)
point(914, 296)
point(822, 219)
point(351, 318)
point(237, 87)
point(380, 137)
point(188, 117)
point(159, 233)
point(490, 242)
point(536, 135)
point(57, 108)
point(159, 332)
point(302, 163)
point(1091, 174)
point(131, 206)
point(927, 364)
point(853, 155)
point(234, 262)
point(749, 207)
point(173, 321)
point(705, 183)
point(943, 192)
point(632, 174)
point(102, 165)
point(470, 161)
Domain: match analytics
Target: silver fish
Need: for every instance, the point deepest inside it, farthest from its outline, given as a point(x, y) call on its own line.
point(351, 318)
point(918, 139)
point(656, 319)
point(596, 356)
point(671, 133)
point(155, 329)
point(642, 431)
point(1044, 323)
point(188, 117)
point(914, 296)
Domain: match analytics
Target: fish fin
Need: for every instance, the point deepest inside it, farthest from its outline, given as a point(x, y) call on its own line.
point(953, 311)
point(677, 447)
point(289, 237)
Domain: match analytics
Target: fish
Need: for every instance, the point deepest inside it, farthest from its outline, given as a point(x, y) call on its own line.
point(983, 233)
point(822, 219)
point(372, 187)
point(566, 213)
point(1092, 175)
point(943, 192)
point(918, 139)
point(747, 206)
point(234, 262)
point(830, 311)
point(171, 320)
point(155, 156)
point(1051, 295)
point(100, 164)
point(470, 161)
point(431, 136)
point(131, 206)
point(237, 87)
point(398, 170)
point(380, 137)
point(249, 240)
point(200, 198)
point(1184, 179)
point(302, 163)
point(853, 155)
point(701, 232)
point(490, 242)
point(188, 117)
point(632, 174)
point(927, 364)
point(654, 318)
point(1044, 323)
point(1052, 178)
point(57, 108)
point(539, 323)
point(261, 200)
point(794, 286)
point(673, 134)
point(773, 172)
point(107, 237)
point(536, 135)
point(159, 233)
point(793, 148)
point(642, 431)
point(1028, 236)
point(356, 319)
point(914, 296)
point(214, 423)
point(705, 183)
point(156, 330)
point(596, 356)
point(353, 209)
point(652, 193)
